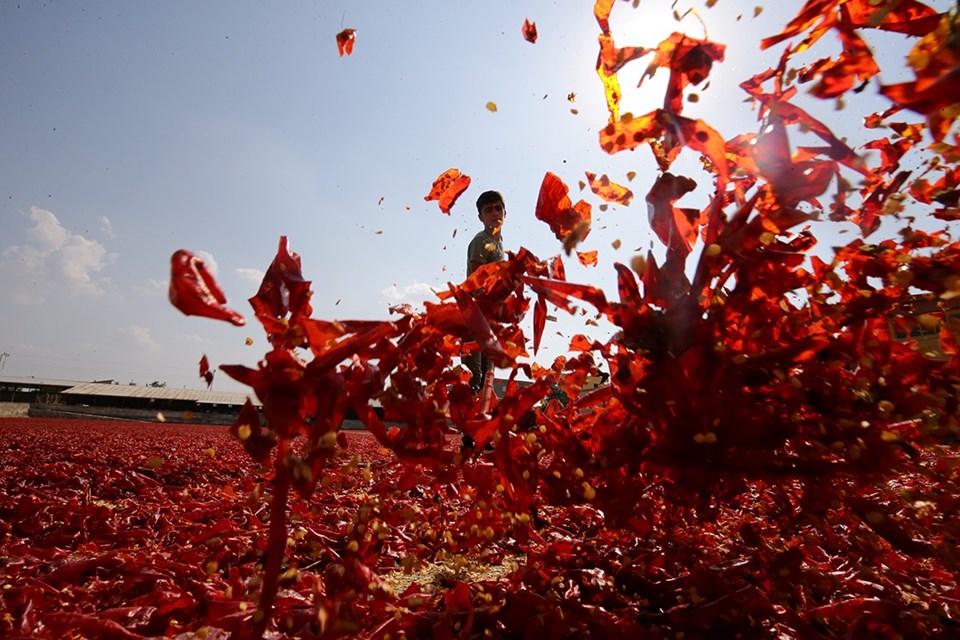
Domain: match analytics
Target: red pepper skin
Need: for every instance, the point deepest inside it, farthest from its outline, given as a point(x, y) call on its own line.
point(194, 291)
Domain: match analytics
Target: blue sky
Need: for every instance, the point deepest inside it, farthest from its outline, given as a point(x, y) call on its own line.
point(131, 130)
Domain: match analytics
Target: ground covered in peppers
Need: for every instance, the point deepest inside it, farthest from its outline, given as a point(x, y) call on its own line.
point(130, 530)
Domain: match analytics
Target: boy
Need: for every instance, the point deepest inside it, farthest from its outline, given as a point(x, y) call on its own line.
point(486, 247)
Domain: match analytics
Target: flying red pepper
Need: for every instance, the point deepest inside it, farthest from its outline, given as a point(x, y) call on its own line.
point(194, 291)
point(345, 40)
point(447, 188)
point(689, 60)
point(609, 190)
point(587, 258)
point(283, 299)
point(530, 31)
point(205, 372)
point(676, 227)
point(570, 223)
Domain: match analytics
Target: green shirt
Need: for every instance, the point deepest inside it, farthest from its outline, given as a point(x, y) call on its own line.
point(483, 249)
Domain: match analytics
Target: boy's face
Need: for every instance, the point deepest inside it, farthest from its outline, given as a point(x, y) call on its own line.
point(492, 215)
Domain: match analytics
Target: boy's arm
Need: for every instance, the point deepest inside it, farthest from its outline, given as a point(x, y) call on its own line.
point(473, 265)
point(476, 256)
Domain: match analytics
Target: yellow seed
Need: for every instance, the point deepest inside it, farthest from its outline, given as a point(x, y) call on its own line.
point(244, 431)
point(588, 492)
point(328, 440)
point(713, 250)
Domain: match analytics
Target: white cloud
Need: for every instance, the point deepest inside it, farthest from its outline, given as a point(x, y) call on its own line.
point(107, 227)
point(78, 258)
point(414, 294)
point(252, 275)
point(142, 338)
point(47, 232)
point(53, 260)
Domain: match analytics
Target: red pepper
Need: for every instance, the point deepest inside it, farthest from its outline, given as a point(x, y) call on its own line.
point(194, 291)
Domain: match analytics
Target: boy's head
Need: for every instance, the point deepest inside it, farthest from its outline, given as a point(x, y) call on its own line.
point(489, 197)
point(491, 211)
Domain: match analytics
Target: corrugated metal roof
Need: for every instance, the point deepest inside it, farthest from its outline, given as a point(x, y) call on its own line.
point(75, 388)
point(32, 381)
point(227, 398)
point(160, 393)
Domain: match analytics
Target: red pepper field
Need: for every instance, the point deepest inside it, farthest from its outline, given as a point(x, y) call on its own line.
point(130, 530)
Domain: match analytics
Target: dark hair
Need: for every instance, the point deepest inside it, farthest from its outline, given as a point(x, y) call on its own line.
point(489, 197)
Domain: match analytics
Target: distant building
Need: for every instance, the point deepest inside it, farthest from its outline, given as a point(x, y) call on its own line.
point(49, 397)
